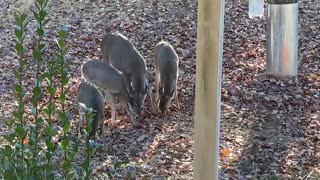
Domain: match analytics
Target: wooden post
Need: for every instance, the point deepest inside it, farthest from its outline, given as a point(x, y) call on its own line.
point(208, 88)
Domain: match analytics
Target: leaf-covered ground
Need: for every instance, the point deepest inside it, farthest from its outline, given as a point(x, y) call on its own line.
point(270, 127)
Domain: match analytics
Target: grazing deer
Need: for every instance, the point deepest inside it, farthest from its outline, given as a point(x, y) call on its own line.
point(90, 97)
point(167, 70)
point(104, 76)
point(121, 54)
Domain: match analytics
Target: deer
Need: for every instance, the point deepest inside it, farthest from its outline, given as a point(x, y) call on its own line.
point(118, 51)
point(90, 97)
point(167, 71)
point(112, 82)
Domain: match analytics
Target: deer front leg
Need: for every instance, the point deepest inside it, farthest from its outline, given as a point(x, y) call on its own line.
point(103, 136)
point(113, 109)
point(110, 99)
point(149, 89)
point(157, 93)
point(81, 119)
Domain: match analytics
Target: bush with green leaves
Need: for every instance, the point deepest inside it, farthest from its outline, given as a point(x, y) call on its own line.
point(35, 141)
point(86, 170)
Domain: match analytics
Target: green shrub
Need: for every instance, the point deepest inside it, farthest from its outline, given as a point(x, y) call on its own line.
point(34, 142)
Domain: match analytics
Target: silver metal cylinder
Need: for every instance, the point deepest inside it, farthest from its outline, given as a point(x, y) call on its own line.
point(282, 39)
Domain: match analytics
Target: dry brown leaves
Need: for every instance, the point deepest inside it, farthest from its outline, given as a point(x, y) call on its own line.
point(270, 127)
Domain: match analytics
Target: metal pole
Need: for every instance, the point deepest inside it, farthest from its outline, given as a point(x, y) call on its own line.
point(282, 37)
point(208, 88)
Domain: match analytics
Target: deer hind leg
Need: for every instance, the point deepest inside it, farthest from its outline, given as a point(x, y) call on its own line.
point(176, 98)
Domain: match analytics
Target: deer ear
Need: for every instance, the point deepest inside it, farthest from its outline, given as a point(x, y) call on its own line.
point(169, 95)
point(172, 92)
point(146, 86)
point(129, 106)
point(82, 105)
point(160, 90)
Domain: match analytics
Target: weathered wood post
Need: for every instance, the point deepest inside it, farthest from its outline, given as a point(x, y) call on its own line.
point(208, 88)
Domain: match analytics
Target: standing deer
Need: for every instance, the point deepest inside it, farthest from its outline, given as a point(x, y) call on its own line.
point(167, 70)
point(104, 76)
point(90, 97)
point(121, 54)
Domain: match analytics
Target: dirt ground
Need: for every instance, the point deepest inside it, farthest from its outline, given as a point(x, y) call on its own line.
point(270, 127)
